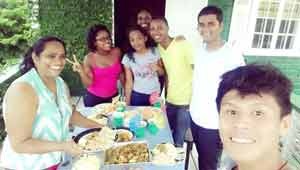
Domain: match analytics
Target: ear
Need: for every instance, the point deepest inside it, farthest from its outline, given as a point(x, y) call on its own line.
point(222, 26)
point(34, 58)
point(285, 124)
point(146, 38)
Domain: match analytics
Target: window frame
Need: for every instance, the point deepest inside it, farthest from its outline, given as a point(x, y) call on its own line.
point(253, 16)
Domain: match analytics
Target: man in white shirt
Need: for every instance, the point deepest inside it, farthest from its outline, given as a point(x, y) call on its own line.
point(213, 58)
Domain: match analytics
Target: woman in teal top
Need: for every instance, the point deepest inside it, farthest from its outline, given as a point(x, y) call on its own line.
point(37, 111)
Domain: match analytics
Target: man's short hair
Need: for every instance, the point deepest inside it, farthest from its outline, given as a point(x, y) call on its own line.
point(257, 79)
point(161, 19)
point(211, 9)
point(143, 10)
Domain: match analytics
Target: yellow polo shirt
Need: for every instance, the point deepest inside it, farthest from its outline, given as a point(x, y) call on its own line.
point(178, 60)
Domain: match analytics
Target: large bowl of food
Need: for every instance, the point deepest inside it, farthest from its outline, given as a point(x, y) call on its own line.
point(96, 139)
point(127, 153)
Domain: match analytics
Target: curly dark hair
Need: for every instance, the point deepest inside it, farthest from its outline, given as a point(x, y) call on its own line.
point(161, 18)
point(92, 34)
point(257, 79)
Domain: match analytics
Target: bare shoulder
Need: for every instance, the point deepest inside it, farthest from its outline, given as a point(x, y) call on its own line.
point(15, 96)
point(88, 58)
point(116, 52)
point(20, 90)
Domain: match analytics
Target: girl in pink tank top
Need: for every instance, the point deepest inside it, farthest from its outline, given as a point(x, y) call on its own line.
point(101, 68)
point(105, 80)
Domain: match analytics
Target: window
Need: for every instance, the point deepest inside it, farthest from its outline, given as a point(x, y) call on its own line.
point(275, 27)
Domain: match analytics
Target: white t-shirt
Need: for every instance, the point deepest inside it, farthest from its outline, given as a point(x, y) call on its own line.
point(208, 69)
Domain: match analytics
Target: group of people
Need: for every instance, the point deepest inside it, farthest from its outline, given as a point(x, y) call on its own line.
point(240, 109)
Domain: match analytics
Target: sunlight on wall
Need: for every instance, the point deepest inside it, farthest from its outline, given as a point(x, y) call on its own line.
point(182, 18)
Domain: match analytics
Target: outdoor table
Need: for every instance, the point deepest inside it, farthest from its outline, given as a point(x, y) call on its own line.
point(164, 135)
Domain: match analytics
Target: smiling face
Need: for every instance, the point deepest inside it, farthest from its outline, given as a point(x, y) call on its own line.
point(250, 126)
point(144, 19)
point(103, 41)
point(209, 28)
point(137, 40)
point(158, 30)
point(51, 61)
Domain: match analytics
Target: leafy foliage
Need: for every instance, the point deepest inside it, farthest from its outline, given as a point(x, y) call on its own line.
point(70, 20)
point(15, 29)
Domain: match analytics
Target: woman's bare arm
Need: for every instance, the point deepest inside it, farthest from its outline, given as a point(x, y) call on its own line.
point(128, 84)
point(19, 118)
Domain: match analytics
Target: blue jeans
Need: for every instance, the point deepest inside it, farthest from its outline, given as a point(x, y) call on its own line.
point(208, 145)
point(139, 99)
point(179, 119)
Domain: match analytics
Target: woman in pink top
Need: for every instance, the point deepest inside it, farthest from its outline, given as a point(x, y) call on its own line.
point(101, 68)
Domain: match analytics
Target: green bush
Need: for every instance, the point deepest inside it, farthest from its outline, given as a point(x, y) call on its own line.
point(69, 20)
point(15, 29)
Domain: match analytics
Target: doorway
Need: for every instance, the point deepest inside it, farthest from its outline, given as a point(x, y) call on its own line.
point(125, 15)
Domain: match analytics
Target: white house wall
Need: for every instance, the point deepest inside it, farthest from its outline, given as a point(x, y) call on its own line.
point(240, 23)
point(182, 18)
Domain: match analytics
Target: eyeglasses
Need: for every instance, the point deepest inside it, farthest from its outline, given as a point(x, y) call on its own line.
point(103, 39)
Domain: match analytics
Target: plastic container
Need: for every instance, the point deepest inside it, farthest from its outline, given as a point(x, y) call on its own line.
point(157, 104)
point(153, 129)
point(135, 122)
point(118, 119)
point(140, 132)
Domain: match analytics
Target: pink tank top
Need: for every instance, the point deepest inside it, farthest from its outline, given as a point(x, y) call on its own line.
point(105, 80)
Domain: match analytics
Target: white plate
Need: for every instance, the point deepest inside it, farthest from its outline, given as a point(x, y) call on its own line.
point(103, 108)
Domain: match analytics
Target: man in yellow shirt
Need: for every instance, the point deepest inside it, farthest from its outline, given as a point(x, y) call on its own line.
point(177, 57)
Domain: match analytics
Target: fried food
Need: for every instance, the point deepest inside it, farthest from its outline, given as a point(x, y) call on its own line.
point(124, 135)
point(129, 153)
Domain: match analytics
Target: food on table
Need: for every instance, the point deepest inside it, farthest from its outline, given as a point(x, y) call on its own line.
point(150, 112)
point(147, 113)
point(96, 141)
point(107, 133)
point(115, 100)
point(120, 106)
point(90, 162)
point(159, 120)
point(99, 118)
point(129, 114)
point(108, 108)
point(165, 153)
point(104, 109)
point(124, 135)
point(129, 153)
point(143, 123)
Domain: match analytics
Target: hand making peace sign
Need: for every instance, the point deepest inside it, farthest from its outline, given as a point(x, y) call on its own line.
point(76, 66)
